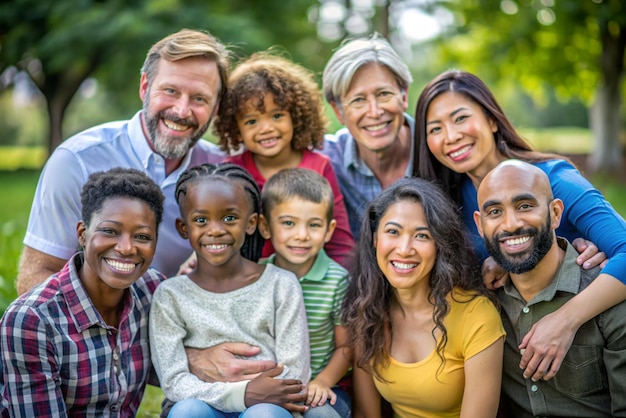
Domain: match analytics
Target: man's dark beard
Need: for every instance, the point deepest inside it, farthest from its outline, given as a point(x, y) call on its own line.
point(517, 264)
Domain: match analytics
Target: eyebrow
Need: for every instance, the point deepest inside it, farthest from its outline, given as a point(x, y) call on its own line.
point(419, 228)
point(517, 198)
point(454, 112)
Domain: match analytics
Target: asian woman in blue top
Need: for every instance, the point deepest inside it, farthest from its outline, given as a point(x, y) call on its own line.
point(461, 133)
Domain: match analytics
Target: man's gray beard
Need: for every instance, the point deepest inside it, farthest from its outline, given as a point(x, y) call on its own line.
point(171, 150)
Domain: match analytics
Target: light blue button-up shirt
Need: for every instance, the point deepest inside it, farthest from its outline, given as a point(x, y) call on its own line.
point(56, 206)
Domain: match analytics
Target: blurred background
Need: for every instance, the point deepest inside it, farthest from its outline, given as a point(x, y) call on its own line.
point(556, 66)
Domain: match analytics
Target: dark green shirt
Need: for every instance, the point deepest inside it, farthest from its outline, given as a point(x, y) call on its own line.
point(592, 379)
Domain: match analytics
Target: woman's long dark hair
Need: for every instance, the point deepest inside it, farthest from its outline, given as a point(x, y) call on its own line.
point(508, 141)
point(366, 308)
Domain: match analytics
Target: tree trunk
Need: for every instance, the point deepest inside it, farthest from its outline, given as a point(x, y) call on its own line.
point(56, 112)
point(605, 118)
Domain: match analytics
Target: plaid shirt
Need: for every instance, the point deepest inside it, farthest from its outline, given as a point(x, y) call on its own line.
point(358, 183)
point(59, 358)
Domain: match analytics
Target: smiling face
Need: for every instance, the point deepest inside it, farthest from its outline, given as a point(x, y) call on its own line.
point(299, 229)
point(460, 136)
point(517, 218)
point(216, 216)
point(119, 244)
point(179, 103)
point(269, 133)
point(405, 248)
point(373, 108)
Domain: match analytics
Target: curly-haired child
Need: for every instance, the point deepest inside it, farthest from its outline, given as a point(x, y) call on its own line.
point(274, 107)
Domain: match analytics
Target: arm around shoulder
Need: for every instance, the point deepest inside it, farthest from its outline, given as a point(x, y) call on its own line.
point(35, 267)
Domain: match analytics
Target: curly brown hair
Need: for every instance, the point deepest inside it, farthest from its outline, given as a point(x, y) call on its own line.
point(294, 89)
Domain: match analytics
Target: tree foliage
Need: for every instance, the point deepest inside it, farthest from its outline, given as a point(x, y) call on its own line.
point(576, 46)
point(62, 43)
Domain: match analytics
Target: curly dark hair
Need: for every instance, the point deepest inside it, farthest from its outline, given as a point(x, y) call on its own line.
point(294, 89)
point(366, 307)
point(508, 141)
point(253, 244)
point(120, 182)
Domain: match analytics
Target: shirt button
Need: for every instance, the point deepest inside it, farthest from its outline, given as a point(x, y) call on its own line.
point(526, 309)
point(534, 388)
point(115, 356)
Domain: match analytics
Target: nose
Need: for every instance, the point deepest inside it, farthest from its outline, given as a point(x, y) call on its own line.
point(214, 229)
point(511, 221)
point(301, 232)
point(452, 134)
point(182, 106)
point(404, 246)
point(124, 245)
point(373, 107)
point(266, 125)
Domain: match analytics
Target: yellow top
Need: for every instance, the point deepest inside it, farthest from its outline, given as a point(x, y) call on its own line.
point(416, 390)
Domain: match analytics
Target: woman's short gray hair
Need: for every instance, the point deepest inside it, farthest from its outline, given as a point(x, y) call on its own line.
point(355, 53)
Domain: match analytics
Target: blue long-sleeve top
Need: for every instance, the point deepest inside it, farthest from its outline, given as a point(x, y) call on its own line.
point(586, 214)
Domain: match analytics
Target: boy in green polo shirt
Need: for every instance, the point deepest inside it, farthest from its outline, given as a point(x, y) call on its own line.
point(298, 219)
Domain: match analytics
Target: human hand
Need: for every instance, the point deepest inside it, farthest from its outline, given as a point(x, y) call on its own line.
point(545, 345)
point(221, 364)
point(589, 254)
point(318, 392)
point(189, 265)
point(494, 276)
point(265, 388)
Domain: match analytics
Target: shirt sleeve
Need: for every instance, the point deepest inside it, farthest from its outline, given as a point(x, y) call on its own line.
point(592, 215)
point(167, 332)
point(613, 329)
point(292, 331)
point(482, 326)
point(30, 374)
point(341, 243)
point(56, 206)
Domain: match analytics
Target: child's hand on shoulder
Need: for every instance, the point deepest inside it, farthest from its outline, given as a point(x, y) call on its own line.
point(318, 393)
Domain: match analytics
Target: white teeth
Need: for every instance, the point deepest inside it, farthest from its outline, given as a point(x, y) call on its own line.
point(216, 246)
point(120, 266)
point(403, 266)
point(460, 152)
point(516, 241)
point(174, 126)
point(376, 127)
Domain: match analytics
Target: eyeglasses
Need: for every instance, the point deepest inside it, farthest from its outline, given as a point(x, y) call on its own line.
point(360, 102)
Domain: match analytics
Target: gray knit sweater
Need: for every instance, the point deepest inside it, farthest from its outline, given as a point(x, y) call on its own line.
point(268, 313)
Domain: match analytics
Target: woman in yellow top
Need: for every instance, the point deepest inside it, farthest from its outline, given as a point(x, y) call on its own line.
point(425, 333)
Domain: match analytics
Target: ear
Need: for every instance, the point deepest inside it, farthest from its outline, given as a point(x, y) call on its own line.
point(329, 232)
point(556, 212)
point(252, 223)
point(264, 227)
point(81, 229)
point(493, 125)
point(338, 112)
point(375, 239)
point(479, 224)
point(143, 86)
point(181, 227)
point(405, 99)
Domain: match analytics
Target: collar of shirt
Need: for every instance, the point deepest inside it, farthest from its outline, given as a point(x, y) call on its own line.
point(567, 278)
point(316, 273)
point(84, 313)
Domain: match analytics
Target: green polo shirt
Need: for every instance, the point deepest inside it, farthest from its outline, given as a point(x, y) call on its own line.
point(324, 288)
